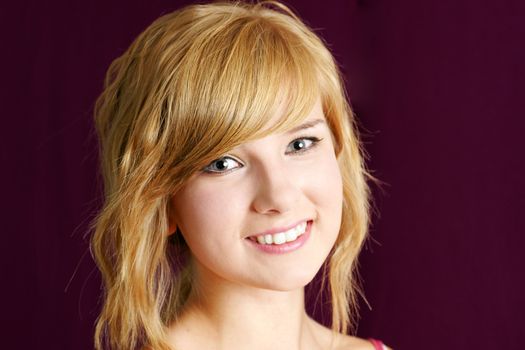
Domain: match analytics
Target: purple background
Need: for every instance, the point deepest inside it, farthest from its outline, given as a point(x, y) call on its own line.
point(439, 90)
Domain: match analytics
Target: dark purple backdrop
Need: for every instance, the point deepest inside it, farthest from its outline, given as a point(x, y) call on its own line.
point(439, 89)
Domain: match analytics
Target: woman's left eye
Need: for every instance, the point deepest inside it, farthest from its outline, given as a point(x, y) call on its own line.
point(302, 144)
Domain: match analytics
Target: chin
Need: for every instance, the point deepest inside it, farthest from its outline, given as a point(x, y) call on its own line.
point(288, 281)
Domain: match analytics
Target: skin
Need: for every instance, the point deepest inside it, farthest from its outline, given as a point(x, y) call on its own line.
point(244, 298)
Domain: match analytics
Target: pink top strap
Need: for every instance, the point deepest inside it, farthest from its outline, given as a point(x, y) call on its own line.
point(378, 344)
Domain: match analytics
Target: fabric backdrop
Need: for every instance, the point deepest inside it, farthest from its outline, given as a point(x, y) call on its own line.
point(438, 87)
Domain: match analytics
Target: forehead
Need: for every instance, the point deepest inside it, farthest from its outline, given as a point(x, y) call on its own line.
point(284, 120)
point(276, 128)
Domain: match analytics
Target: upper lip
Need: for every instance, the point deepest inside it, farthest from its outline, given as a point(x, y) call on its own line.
point(279, 229)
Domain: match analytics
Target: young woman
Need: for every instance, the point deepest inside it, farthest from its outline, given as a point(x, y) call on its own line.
point(233, 173)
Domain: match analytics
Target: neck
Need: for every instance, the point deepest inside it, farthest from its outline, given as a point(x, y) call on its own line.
point(224, 315)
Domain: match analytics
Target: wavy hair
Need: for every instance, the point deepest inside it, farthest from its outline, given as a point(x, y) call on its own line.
point(196, 83)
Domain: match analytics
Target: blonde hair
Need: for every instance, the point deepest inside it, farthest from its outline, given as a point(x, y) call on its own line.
point(196, 83)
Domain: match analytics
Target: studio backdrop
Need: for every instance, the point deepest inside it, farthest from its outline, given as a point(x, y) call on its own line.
point(438, 88)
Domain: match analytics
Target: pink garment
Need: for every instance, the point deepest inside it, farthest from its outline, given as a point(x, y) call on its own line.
point(378, 344)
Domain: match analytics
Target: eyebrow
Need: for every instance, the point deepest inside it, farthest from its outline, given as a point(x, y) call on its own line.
point(307, 125)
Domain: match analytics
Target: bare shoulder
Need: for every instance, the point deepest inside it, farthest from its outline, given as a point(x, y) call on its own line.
point(348, 342)
point(337, 341)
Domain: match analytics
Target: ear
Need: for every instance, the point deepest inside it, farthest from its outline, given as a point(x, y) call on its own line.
point(172, 223)
point(171, 228)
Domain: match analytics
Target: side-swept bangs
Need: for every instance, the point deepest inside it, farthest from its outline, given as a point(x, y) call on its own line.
point(233, 79)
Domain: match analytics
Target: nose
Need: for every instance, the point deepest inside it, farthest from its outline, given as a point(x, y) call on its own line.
point(277, 189)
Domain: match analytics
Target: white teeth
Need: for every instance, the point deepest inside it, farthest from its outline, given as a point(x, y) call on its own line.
point(279, 238)
point(283, 237)
point(291, 235)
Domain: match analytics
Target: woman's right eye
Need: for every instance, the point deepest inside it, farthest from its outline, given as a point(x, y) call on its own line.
point(222, 165)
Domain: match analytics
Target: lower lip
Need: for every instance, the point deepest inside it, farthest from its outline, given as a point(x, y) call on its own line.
point(285, 247)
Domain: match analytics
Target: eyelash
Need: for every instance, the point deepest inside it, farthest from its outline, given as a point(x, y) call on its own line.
point(314, 142)
point(313, 139)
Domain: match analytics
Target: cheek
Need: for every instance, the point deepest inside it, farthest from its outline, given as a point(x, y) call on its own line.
point(204, 214)
point(325, 186)
point(325, 191)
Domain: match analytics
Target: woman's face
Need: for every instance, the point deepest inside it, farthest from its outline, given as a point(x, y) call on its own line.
point(267, 213)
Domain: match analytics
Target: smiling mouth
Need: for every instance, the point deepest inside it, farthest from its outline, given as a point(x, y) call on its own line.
point(279, 238)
